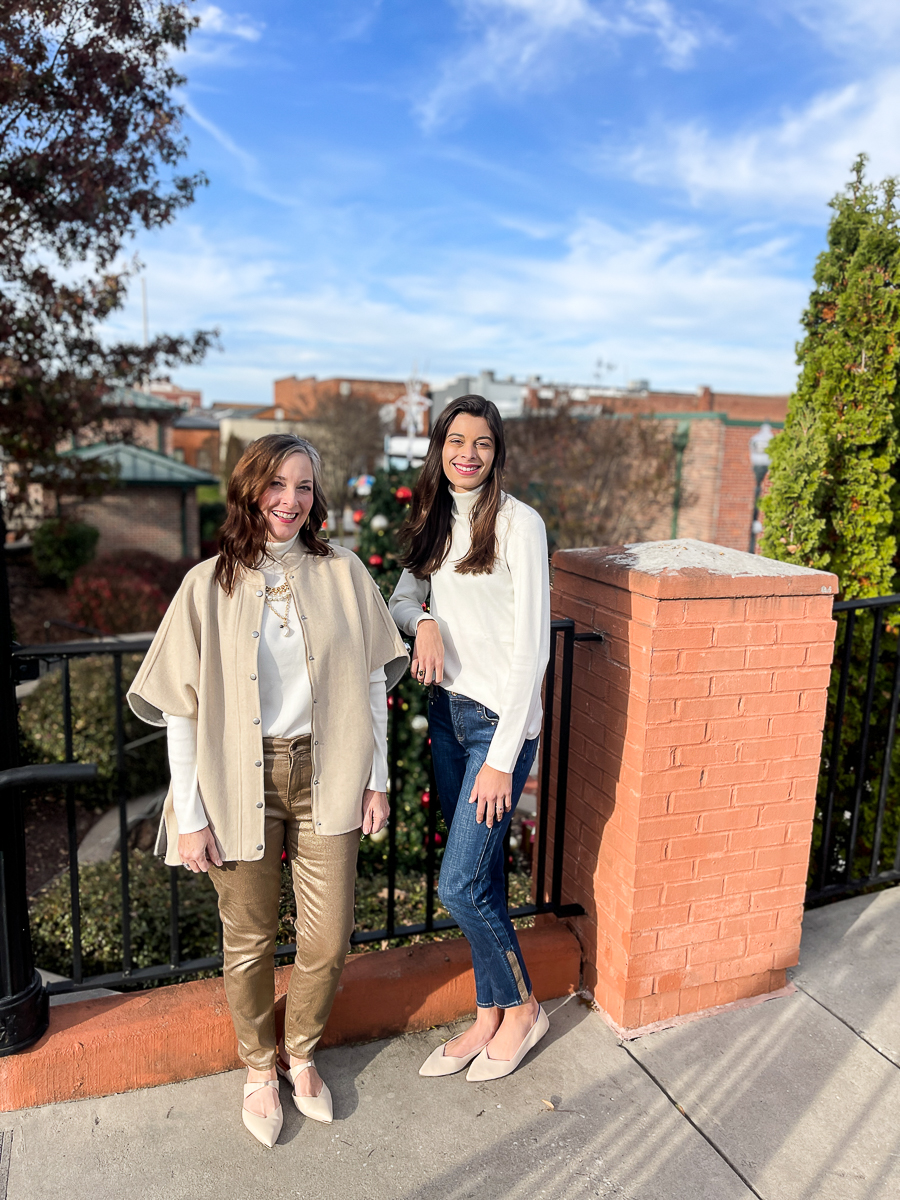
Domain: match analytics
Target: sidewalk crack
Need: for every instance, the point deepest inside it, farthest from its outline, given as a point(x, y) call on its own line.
point(6, 1137)
point(837, 1016)
point(690, 1120)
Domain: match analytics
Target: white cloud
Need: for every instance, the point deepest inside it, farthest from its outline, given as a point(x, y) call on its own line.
point(252, 175)
point(662, 301)
point(793, 165)
point(215, 20)
point(518, 44)
point(848, 26)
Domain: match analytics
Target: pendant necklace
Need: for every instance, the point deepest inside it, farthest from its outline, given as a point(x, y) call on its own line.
point(280, 595)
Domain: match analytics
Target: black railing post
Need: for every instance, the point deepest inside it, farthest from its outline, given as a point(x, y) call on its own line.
point(24, 1004)
point(23, 1001)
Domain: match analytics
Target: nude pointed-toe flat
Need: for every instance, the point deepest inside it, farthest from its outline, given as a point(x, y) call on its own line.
point(484, 1067)
point(317, 1108)
point(439, 1062)
point(264, 1129)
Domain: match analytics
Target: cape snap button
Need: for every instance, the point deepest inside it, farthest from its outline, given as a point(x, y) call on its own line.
point(260, 804)
point(258, 763)
point(255, 633)
point(259, 593)
point(252, 676)
point(256, 720)
point(259, 847)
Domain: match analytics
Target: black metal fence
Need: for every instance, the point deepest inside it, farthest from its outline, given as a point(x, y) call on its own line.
point(856, 837)
point(29, 660)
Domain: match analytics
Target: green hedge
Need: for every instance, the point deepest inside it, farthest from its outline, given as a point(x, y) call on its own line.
point(42, 735)
point(60, 547)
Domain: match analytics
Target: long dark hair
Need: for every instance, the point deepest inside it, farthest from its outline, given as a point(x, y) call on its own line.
point(425, 534)
point(245, 532)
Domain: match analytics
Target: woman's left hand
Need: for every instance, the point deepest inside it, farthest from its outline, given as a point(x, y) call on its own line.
point(375, 811)
point(493, 795)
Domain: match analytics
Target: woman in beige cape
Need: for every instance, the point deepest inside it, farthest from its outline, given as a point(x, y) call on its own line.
point(270, 672)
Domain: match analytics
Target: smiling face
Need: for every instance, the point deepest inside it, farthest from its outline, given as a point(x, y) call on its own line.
point(287, 500)
point(468, 452)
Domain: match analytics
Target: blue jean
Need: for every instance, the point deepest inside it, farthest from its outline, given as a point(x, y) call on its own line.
point(472, 886)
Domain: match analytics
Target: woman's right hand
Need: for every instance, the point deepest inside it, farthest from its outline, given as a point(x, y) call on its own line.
point(428, 653)
point(198, 850)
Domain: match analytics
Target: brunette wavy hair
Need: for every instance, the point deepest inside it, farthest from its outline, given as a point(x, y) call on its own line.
point(242, 541)
point(425, 534)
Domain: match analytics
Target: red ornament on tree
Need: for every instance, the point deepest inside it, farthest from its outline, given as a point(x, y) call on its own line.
point(358, 516)
point(375, 560)
point(403, 493)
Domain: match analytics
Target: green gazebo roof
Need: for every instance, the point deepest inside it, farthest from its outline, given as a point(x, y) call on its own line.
point(138, 466)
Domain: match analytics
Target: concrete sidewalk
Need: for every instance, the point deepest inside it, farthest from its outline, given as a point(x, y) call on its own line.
point(794, 1099)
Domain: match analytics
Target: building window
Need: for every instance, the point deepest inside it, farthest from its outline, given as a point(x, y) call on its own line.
point(203, 460)
point(345, 388)
point(178, 453)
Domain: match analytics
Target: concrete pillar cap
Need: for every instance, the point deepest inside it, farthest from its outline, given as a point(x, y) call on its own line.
point(686, 569)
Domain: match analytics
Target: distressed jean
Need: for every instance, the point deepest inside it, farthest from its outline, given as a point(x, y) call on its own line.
point(472, 885)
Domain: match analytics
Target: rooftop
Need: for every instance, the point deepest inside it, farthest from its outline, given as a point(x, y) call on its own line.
point(136, 465)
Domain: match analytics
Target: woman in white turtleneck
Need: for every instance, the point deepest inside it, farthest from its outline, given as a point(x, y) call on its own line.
point(270, 671)
point(478, 557)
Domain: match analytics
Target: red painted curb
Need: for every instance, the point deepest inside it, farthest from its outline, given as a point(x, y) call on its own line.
point(120, 1043)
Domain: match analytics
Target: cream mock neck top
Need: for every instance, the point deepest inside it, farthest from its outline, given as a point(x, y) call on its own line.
point(495, 627)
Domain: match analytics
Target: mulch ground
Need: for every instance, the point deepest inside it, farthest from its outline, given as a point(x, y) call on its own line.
point(47, 838)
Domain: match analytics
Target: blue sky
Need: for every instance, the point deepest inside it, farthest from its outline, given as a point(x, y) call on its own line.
point(526, 185)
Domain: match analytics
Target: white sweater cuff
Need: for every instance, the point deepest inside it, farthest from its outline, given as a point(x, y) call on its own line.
point(378, 779)
point(182, 746)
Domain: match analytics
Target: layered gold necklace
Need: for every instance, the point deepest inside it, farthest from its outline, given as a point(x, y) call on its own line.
point(280, 595)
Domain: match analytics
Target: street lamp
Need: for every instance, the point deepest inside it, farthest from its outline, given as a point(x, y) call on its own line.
point(759, 461)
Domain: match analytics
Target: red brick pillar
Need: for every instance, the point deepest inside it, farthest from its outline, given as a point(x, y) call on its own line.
point(695, 738)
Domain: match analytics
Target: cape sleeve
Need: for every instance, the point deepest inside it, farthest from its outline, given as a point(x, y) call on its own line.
point(169, 677)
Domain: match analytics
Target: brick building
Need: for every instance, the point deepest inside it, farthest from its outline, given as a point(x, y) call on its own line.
point(154, 506)
point(195, 439)
point(165, 389)
point(301, 399)
point(718, 484)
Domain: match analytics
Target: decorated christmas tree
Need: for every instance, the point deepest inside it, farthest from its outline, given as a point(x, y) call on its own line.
point(378, 546)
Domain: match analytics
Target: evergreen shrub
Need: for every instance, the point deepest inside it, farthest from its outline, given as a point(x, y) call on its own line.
point(42, 735)
point(60, 547)
point(378, 547)
point(834, 496)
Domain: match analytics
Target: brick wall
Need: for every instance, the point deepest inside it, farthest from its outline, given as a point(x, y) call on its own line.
point(736, 498)
point(717, 484)
point(695, 740)
point(137, 518)
point(300, 398)
point(194, 442)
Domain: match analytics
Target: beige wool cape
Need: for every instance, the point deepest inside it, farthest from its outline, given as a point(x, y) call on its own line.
point(203, 664)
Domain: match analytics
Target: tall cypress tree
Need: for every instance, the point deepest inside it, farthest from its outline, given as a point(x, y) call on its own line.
point(834, 499)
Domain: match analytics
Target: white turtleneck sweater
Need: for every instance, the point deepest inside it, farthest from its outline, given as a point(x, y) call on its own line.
point(285, 704)
point(495, 627)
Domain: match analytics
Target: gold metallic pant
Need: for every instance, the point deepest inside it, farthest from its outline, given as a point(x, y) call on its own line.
point(324, 873)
